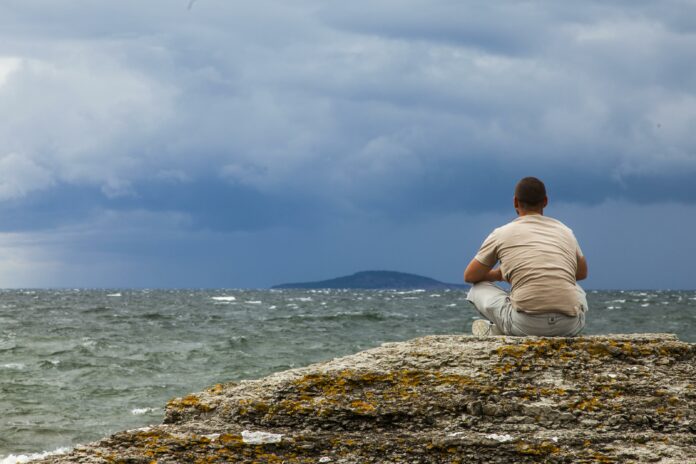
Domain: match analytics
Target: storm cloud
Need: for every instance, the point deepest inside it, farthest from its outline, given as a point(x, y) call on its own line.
point(330, 126)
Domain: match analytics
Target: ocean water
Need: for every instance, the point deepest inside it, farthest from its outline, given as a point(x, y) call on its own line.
point(77, 365)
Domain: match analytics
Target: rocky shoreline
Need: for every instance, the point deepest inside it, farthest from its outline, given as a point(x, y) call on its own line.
point(440, 399)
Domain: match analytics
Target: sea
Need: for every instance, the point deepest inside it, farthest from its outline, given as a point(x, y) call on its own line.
point(78, 365)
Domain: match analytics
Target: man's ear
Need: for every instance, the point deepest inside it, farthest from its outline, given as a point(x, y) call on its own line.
point(546, 201)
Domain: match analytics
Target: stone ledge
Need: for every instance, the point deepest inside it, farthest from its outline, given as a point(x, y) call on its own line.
point(441, 399)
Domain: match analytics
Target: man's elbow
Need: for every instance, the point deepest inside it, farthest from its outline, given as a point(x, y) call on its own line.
point(472, 277)
point(468, 277)
point(581, 271)
point(475, 272)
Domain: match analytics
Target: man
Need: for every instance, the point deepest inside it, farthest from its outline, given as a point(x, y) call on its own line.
point(541, 259)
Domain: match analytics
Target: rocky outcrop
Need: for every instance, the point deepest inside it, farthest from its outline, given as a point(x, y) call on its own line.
point(440, 399)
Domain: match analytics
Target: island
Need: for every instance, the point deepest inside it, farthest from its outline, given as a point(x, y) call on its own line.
point(375, 280)
point(439, 399)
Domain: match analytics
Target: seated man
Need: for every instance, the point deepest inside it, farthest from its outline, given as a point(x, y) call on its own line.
point(541, 259)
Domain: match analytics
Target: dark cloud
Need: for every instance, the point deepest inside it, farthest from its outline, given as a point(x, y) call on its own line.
point(237, 118)
point(501, 27)
point(208, 204)
point(318, 97)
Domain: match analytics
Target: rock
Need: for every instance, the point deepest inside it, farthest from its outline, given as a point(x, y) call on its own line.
point(440, 399)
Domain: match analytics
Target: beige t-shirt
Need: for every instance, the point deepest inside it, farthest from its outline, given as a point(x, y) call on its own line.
point(539, 257)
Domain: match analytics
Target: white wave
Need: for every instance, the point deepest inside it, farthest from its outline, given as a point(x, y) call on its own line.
point(20, 458)
point(142, 429)
point(272, 307)
point(14, 366)
point(406, 292)
point(452, 305)
point(223, 298)
point(114, 294)
point(141, 411)
point(254, 302)
point(435, 295)
point(617, 301)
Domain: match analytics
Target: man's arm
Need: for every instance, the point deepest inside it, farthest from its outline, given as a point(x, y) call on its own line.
point(581, 272)
point(477, 272)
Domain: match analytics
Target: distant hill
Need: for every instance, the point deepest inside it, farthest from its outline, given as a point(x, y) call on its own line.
point(376, 280)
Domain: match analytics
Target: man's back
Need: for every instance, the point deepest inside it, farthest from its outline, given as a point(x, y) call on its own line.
point(538, 255)
point(542, 260)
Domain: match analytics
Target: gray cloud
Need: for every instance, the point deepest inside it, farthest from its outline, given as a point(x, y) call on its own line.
point(241, 116)
point(347, 100)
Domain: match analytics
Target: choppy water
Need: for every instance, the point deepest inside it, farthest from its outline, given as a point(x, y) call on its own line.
point(78, 365)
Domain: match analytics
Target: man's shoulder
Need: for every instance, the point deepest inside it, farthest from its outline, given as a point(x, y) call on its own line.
point(531, 222)
point(503, 229)
point(546, 221)
point(553, 222)
point(502, 232)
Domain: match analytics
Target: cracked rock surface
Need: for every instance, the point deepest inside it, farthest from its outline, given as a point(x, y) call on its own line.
point(440, 399)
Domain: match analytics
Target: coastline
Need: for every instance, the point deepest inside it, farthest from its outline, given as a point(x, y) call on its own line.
point(440, 399)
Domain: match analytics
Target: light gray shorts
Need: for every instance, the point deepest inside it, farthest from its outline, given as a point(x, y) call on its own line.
point(493, 303)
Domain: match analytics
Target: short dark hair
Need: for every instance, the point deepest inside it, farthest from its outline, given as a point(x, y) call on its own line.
point(530, 193)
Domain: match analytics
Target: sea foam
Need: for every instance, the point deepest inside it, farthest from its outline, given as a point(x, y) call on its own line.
point(20, 458)
point(141, 411)
point(14, 366)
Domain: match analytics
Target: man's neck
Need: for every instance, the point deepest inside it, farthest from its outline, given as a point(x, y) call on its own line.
point(522, 212)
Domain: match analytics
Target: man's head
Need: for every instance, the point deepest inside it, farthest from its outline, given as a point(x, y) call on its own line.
point(530, 195)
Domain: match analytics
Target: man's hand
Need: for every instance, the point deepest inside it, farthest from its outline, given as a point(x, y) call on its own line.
point(477, 272)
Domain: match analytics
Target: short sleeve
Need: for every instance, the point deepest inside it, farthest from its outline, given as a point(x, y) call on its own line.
point(488, 253)
point(578, 250)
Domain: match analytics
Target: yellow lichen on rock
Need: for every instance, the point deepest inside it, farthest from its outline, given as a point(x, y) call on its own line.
point(440, 399)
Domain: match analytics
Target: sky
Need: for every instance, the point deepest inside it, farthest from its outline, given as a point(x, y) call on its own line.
point(237, 144)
